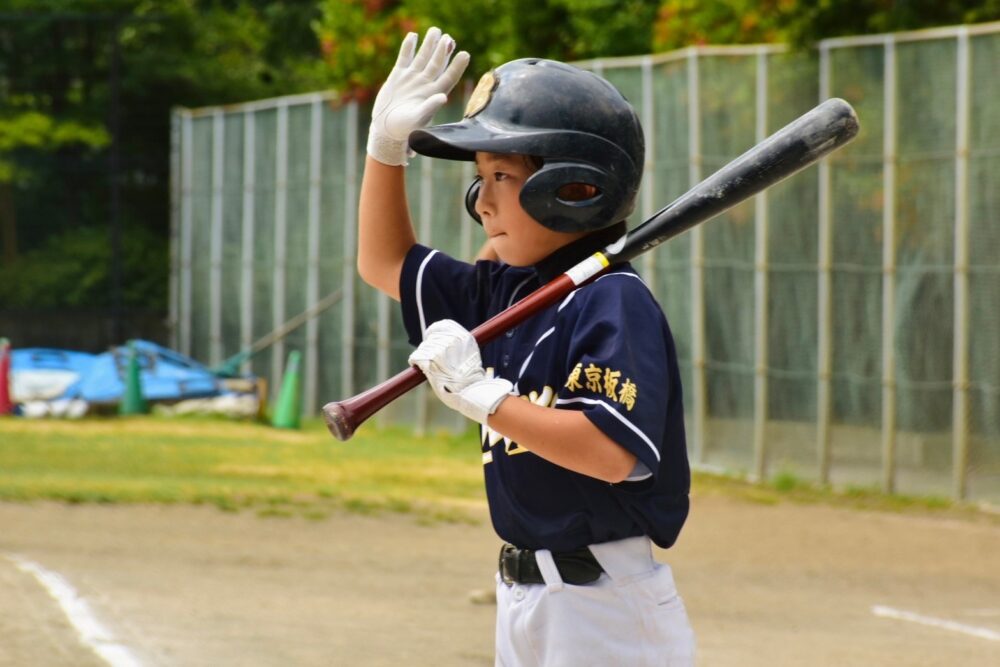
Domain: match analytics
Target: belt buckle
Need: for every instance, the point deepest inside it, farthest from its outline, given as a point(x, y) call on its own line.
point(509, 564)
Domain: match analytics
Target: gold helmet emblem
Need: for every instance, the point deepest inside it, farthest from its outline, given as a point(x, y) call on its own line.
point(481, 95)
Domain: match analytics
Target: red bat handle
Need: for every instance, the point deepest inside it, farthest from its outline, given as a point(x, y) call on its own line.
point(344, 417)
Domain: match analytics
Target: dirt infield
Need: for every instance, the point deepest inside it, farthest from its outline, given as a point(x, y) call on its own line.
point(768, 585)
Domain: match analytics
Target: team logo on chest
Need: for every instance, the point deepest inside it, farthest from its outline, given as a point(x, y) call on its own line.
point(604, 381)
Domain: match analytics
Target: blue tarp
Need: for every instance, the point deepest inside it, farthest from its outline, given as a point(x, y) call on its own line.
point(43, 358)
point(166, 375)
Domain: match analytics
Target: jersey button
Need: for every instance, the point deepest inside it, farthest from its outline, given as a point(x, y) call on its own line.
point(506, 360)
point(518, 594)
point(510, 333)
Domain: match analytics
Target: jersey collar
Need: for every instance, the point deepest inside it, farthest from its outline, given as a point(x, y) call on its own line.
point(570, 254)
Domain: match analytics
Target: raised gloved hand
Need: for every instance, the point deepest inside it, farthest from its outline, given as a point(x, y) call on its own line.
point(416, 88)
point(449, 357)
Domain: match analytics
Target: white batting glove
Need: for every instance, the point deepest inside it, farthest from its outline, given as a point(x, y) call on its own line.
point(449, 357)
point(416, 88)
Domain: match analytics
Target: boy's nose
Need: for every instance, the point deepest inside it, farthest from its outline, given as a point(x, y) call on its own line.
point(484, 202)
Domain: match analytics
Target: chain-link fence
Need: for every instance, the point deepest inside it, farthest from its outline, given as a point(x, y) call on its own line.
point(843, 326)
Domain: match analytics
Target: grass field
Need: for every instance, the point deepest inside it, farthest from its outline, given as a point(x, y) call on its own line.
point(243, 465)
point(237, 465)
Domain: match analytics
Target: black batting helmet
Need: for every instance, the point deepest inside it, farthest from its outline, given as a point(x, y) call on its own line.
point(585, 131)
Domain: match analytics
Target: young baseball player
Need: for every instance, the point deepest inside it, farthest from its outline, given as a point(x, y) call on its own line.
point(582, 429)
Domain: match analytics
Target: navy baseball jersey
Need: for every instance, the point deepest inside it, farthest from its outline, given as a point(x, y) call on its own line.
point(605, 350)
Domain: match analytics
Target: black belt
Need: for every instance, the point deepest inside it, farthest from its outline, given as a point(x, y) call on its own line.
point(519, 566)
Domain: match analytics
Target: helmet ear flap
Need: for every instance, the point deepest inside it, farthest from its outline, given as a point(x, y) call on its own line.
point(472, 196)
point(574, 197)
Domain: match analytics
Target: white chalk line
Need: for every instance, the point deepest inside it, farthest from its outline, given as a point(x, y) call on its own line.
point(944, 624)
point(92, 632)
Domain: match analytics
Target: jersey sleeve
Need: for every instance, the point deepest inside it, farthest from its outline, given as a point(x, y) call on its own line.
point(434, 286)
point(617, 366)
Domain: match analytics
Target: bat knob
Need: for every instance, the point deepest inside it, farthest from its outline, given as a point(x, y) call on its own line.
point(338, 421)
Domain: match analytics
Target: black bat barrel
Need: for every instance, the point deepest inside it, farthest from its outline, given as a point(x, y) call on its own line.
point(799, 144)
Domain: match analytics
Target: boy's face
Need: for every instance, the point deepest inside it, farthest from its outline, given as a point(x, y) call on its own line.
point(516, 237)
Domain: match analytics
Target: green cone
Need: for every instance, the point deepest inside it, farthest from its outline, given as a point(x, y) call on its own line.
point(288, 410)
point(132, 402)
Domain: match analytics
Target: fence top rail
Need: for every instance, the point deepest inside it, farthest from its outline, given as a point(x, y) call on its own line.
point(943, 32)
point(260, 105)
point(681, 54)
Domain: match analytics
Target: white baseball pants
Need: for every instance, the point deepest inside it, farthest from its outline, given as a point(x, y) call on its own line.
point(631, 616)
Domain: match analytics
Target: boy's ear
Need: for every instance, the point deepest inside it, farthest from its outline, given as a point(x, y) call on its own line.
point(472, 196)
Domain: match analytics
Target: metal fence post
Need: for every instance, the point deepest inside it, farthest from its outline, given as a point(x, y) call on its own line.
point(186, 233)
point(347, 343)
point(761, 287)
point(215, 243)
point(824, 351)
point(699, 388)
point(313, 358)
point(280, 241)
point(648, 192)
point(889, 267)
point(960, 354)
point(248, 232)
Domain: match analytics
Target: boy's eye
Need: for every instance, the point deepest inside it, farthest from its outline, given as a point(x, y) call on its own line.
point(499, 176)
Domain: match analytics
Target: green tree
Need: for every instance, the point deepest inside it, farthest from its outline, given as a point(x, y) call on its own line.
point(681, 23)
point(59, 105)
point(70, 269)
point(35, 131)
point(360, 38)
point(812, 21)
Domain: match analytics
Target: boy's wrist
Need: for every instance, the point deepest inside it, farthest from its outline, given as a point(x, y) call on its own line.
point(389, 151)
point(481, 399)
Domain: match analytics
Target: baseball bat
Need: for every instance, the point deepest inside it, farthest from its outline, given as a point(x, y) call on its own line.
point(796, 146)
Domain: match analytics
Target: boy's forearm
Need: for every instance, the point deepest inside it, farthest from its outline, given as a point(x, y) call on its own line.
point(564, 437)
point(417, 86)
point(385, 232)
